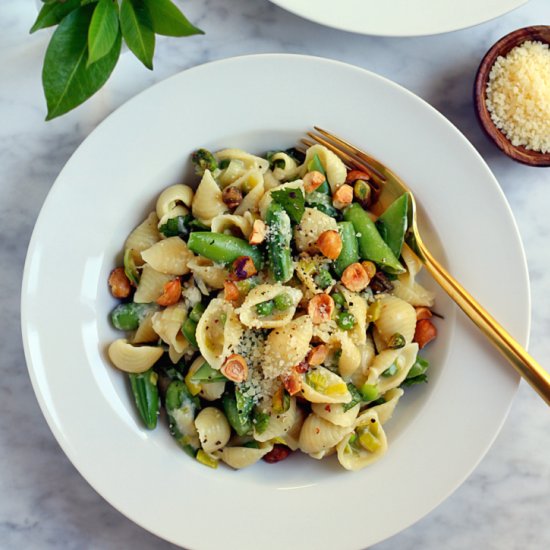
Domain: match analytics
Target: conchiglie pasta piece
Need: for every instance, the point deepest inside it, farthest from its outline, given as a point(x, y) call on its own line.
point(279, 424)
point(263, 293)
point(398, 360)
point(145, 333)
point(232, 173)
point(209, 272)
point(248, 160)
point(396, 317)
point(151, 285)
point(320, 385)
point(218, 332)
point(350, 356)
point(289, 170)
point(173, 196)
point(251, 201)
point(270, 181)
point(319, 435)
point(334, 167)
point(312, 224)
point(167, 324)
point(241, 457)
point(170, 256)
point(365, 445)
point(178, 210)
point(336, 413)
point(145, 235)
point(287, 346)
point(208, 203)
point(385, 410)
point(133, 359)
point(213, 429)
point(292, 436)
point(367, 355)
point(231, 224)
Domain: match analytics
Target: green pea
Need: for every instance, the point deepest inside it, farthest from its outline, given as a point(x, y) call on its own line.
point(339, 299)
point(323, 279)
point(369, 391)
point(282, 301)
point(265, 308)
point(345, 320)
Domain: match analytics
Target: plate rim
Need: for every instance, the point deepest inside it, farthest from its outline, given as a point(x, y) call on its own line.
point(310, 15)
point(127, 105)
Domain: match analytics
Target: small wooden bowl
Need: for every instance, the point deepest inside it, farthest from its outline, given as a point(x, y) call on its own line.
point(540, 33)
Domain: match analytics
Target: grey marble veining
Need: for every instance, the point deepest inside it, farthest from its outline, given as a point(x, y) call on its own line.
point(44, 503)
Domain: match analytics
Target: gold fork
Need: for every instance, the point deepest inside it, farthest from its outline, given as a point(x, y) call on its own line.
point(387, 187)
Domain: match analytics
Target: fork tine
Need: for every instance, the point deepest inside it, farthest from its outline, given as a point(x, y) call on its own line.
point(348, 159)
point(373, 164)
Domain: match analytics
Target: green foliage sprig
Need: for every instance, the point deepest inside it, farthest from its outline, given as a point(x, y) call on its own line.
point(86, 45)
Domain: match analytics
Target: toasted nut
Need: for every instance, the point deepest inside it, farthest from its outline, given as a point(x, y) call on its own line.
point(317, 355)
point(259, 231)
point(232, 197)
point(423, 313)
point(425, 332)
point(302, 367)
point(362, 193)
point(355, 277)
point(231, 292)
point(313, 180)
point(292, 383)
point(171, 293)
point(235, 368)
point(380, 283)
point(119, 284)
point(320, 308)
point(342, 196)
point(278, 453)
point(242, 268)
point(354, 175)
point(370, 268)
point(330, 244)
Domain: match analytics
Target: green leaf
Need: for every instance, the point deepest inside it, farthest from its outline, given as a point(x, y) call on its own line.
point(137, 30)
point(66, 79)
point(53, 13)
point(356, 397)
point(168, 19)
point(292, 200)
point(103, 31)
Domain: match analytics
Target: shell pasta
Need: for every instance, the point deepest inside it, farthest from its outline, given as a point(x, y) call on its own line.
point(270, 312)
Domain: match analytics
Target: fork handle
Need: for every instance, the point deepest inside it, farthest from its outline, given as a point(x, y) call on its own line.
point(524, 364)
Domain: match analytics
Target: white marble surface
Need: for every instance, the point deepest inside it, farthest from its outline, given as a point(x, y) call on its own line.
point(44, 503)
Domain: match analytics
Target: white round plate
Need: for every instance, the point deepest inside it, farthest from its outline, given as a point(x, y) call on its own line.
point(399, 17)
point(440, 430)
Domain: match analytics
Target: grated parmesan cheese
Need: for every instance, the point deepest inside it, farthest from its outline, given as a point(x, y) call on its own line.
point(518, 95)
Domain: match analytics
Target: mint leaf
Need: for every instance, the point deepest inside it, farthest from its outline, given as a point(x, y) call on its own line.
point(356, 397)
point(53, 13)
point(168, 20)
point(292, 200)
point(103, 30)
point(137, 30)
point(67, 80)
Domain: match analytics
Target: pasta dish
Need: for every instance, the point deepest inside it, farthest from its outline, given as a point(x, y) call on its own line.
point(270, 311)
